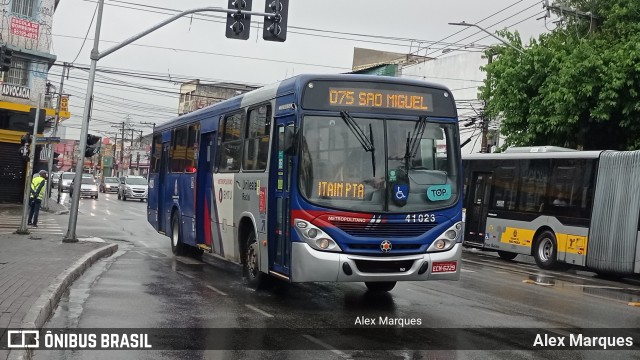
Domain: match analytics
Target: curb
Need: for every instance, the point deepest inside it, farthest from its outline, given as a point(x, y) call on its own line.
point(42, 309)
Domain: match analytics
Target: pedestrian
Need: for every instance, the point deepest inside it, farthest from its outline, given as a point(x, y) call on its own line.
point(36, 195)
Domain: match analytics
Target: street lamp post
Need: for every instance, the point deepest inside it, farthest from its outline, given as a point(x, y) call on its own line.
point(483, 29)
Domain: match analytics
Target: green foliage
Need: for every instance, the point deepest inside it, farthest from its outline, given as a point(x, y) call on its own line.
point(577, 86)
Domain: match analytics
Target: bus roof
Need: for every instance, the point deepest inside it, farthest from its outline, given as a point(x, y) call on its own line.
point(290, 85)
point(538, 155)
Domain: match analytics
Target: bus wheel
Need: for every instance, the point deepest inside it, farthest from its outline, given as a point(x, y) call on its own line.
point(177, 246)
point(381, 285)
point(505, 255)
point(545, 251)
point(251, 268)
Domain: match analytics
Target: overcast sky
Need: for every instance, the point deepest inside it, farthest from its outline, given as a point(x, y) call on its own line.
point(322, 41)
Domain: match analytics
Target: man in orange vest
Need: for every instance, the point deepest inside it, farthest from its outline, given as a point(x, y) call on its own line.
point(36, 195)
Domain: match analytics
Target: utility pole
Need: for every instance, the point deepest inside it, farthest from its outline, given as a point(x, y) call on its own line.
point(563, 9)
point(121, 167)
point(22, 230)
point(484, 148)
point(65, 68)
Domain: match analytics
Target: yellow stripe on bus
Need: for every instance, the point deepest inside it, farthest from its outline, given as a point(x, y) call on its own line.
point(573, 244)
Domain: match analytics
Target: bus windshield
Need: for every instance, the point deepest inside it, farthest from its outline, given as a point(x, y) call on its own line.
point(402, 172)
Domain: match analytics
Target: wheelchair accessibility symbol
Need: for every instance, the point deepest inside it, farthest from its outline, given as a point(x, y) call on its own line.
point(400, 192)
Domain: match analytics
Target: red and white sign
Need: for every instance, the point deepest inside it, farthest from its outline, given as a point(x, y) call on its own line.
point(444, 266)
point(263, 200)
point(25, 28)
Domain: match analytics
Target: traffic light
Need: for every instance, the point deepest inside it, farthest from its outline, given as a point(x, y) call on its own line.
point(6, 56)
point(93, 145)
point(275, 26)
point(239, 24)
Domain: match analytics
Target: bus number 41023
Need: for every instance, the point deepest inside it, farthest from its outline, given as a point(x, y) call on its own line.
point(420, 218)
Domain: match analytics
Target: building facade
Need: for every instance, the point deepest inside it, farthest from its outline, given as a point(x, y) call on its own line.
point(26, 31)
point(195, 95)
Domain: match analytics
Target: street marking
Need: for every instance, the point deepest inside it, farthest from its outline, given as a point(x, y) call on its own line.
point(468, 271)
point(634, 303)
point(186, 275)
point(326, 346)
point(216, 290)
point(258, 310)
point(535, 283)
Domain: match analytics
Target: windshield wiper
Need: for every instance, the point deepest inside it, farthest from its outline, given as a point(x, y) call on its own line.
point(357, 131)
point(413, 141)
point(367, 144)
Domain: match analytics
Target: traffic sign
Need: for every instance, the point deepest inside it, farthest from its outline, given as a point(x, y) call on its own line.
point(48, 140)
point(64, 103)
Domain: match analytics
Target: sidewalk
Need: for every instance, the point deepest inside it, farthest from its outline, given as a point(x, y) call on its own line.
point(35, 270)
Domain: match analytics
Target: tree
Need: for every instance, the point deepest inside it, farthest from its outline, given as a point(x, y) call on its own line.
point(577, 86)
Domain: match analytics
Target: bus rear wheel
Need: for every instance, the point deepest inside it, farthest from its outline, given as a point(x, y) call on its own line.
point(505, 255)
point(251, 264)
point(177, 247)
point(546, 250)
point(380, 286)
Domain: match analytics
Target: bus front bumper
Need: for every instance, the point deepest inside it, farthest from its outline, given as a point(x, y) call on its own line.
point(309, 265)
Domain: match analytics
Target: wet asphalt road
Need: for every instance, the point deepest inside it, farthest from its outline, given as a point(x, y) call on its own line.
point(144, 286)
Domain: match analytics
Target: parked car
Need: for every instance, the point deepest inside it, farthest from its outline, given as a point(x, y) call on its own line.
point(109, 184)
point(66, 178)
point(133, 187)
point(88, 187)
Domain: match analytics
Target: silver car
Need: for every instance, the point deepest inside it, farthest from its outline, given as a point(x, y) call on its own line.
point(133, 187)
point(64, 184)
point(88, 187)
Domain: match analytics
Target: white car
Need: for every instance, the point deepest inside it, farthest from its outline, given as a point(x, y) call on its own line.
point(88, 187)
point(133, 187)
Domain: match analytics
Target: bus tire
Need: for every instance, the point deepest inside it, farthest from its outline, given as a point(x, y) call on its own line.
point(251, 264)
point(505, 255)
point(380, 286)
point(546, 250)
point(177, 247)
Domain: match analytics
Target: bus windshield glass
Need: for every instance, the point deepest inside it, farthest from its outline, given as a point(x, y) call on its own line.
point(405, 170)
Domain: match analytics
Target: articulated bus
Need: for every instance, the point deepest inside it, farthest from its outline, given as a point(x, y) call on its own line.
point(340, 178)
point(562, 206)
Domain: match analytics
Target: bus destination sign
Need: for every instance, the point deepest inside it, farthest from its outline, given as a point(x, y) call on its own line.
point(379, 98)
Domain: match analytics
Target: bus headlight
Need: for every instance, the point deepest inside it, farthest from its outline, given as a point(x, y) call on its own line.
point(315, 237)
point(447, 240)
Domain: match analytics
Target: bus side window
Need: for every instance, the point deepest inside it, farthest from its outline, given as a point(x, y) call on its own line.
point(230, 149)
point(179, 147)
point(256, 144)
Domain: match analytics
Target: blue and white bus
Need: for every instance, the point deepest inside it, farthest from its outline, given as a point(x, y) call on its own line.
point(317, 178)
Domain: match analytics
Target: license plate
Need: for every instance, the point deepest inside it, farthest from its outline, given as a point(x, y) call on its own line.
point(445, 266)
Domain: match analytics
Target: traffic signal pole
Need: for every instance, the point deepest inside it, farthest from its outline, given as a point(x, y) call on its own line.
point(22, 230)
point(53, 134)
point(97, 55)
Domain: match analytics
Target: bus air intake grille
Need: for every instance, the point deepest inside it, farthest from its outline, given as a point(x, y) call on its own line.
point(377, 246)
point(387, 229)
point(396, 266)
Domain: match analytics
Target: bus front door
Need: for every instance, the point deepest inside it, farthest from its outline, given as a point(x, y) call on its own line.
point(280, 249)
point(478, 207)
point(162, 179)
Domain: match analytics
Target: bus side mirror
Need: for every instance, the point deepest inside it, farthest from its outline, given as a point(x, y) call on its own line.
point(290, 140)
